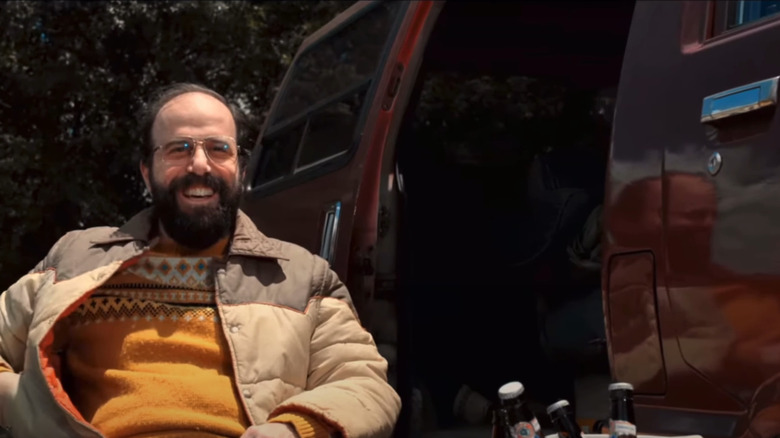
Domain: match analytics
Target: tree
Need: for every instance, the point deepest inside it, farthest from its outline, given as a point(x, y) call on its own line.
point(73, 77)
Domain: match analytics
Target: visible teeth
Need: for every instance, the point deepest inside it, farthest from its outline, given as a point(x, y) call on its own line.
point(201, 192)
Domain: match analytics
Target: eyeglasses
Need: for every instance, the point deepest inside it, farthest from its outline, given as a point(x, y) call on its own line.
point(220, 150)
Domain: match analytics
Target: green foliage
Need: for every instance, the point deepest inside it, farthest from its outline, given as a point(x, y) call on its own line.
point(500, 121)
point(488, 120)
point(73, 76)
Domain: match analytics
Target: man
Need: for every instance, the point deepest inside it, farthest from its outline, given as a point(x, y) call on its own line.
point(187, 320)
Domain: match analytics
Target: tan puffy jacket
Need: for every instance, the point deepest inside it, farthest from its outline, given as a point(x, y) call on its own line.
point(296, 342)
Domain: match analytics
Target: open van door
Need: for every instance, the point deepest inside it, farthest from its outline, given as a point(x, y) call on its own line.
point(321, 168)
point(314, 176)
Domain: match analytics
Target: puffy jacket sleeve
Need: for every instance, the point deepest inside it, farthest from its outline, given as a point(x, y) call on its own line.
point(15, 318)
point(16, 309)
point(347, 383)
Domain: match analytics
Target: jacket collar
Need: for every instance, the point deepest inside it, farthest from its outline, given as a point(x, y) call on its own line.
point(247, 239)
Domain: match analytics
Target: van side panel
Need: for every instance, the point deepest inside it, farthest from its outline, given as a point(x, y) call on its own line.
point(655, 114)
point(635, 341)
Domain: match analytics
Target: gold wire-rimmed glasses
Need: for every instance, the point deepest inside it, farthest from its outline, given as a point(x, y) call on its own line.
point(178, 152)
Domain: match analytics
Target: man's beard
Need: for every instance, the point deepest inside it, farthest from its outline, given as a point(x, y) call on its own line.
point(203, 226)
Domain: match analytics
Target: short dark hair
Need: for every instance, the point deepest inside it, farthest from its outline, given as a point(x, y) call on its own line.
point(164, 95)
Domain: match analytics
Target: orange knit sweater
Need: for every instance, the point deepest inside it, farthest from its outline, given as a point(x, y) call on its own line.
point(145, 354)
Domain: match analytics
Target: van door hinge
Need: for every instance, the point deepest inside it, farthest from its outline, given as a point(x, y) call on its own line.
point(383, 221)
point(393, 86)
point(366, 266)
point(384, 288)
point(363, 263)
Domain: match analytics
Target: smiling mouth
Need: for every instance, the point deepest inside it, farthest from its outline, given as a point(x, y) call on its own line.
point(198, 192)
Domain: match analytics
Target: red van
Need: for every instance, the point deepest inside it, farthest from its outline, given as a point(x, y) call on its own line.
point(523, 190)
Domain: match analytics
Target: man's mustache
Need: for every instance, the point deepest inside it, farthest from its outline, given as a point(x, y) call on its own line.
point(192, 179)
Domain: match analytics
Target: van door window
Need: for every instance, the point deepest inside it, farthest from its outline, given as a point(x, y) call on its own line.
point(736, 13)
point(325, 95)
point(331, 129)
point(279, 153)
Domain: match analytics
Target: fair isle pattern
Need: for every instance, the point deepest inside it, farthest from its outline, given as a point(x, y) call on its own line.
point(156, 289)
point(195, 273)
point(150, 293)
point(99, 310)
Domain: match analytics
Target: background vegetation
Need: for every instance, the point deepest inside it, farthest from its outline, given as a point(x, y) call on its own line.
point(73, 76)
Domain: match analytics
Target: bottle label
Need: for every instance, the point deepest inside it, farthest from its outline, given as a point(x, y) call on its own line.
point(537, 428)
point(618, 428)
point(525, 430)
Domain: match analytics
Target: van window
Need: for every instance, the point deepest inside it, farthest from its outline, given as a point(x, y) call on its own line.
point(321, 104)
point(746, 11)
point(330, 130)
point(279, 153)
point(733, 14)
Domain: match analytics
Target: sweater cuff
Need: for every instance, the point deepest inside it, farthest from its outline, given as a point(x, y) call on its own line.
point(306, 425)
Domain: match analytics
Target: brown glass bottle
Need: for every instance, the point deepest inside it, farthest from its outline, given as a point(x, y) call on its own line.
point(562, 418)
point(500, 423)
point(522, 422)
point(622, 423)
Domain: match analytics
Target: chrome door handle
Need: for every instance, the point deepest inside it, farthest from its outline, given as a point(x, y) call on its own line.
point(739, 100)
point(330, 232)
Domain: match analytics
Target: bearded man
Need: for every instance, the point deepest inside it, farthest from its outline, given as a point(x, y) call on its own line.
point(187, 321)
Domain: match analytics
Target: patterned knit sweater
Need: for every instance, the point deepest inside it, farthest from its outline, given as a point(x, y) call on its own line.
point(145, 354)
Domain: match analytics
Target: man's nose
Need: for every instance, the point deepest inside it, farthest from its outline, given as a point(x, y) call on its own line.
point(199, 164)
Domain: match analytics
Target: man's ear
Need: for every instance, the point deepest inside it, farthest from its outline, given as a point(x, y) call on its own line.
point(145, 175)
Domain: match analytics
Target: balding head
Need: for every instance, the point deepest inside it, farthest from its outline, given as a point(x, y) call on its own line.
point(167, 95)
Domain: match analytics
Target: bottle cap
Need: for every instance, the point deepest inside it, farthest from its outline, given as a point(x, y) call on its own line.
point(557, 405)
point(510, 390)
point(621, 385)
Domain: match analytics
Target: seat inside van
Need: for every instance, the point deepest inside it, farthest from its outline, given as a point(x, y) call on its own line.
point(502, 154)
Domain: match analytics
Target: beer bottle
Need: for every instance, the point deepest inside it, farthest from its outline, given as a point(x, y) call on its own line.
point(562, 418)
point(622, 423)
point(522, 422)
point(500, 424)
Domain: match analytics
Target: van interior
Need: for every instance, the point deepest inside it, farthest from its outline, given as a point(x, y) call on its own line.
point(501, 162)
